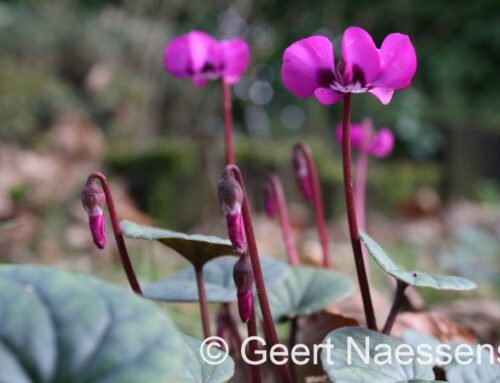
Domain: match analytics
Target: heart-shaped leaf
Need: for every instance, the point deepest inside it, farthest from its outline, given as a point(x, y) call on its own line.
point(219, 284)
point(62, 327)
point(196, 248)
point(358, 355)
point(197, 370)
point(474, 373)
point(307, 290)
point(414, 278)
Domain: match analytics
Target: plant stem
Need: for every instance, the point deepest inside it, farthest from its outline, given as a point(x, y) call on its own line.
point(360, 185)
point(205, 318)
point(351, 216)
point(317, 200)
point(252, 332)
point(286, 230)
point(270, 330)
point(120, 243)
point(228, 121)
point(398, 298)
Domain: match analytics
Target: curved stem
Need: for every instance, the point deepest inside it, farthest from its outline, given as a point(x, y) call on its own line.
point(398, 298)
point(317, 201)
point(252, 332)
point(270, 330)
point(228, 121)
point(202, 294)
point(286, 230)
point(120, 243)
point(351, 216)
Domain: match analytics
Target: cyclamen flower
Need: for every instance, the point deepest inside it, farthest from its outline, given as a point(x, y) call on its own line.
point(231, 200)
point(309, 66)
point(380, 144)
point(200, 57)
point(302, 175)
point(93, 200)
point(244, 280)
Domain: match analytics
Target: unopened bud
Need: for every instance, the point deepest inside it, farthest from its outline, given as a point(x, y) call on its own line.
point(244, 280)
point(302, 175)
point(270, 203)
point(231, 200)
point(93, 201)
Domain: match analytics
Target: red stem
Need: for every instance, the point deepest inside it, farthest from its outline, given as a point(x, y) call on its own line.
point(252, 331)
point(205, 318)
point(120, 243)
point(286, 230)
point(228, 121)
point(270, 330)
point(398, 298)
point(317, 201)
point(351, 216)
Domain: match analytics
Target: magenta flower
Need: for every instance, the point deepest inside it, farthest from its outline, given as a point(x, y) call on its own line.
point(231, 200)
point(309, 66)
point(363, 138)
point(244, 280)
point(93, 200)
point(200, 57)
point(302, 175)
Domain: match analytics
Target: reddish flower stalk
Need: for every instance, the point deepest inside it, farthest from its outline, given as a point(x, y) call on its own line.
point(202, 298)
point(120, 243)
point(252, 347)
point(304, 150)
point(361, 170)
point(228, 121)
point(270, 330)
point(276, 197)
point(351, 216)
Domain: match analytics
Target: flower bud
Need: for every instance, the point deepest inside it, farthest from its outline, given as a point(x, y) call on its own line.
point(270, 203)
point(382, 144)
point(231, 200)
point(302, 175)
point(93, 201)
point(244, 280)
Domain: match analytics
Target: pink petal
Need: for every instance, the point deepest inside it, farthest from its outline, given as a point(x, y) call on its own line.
point(356, 132)
point(307, 65)
point(235, 55)
point(383, 143)
point(187, 54)
point(383, 94)
point(398, 62)
point(327, 96)
point(359, 52)
point(97, 225)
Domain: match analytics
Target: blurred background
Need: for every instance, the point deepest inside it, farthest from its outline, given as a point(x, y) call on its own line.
point(82, 87)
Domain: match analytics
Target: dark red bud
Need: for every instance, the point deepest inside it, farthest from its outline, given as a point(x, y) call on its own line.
point(94, 200)
point(302, 175)
point(270, 203)
point(231, 200)
point(244, 280)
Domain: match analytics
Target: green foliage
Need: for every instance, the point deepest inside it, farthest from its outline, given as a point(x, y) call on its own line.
point(59, 327)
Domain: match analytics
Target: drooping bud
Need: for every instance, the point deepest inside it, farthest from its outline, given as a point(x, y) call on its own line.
point(270, 203)
point(231, 200)
point(93, 201)
point(244, 280)
point(302, 175)
point(383, 143)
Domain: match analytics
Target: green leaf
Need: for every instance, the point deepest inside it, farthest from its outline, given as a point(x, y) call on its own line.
point(346, 364)
point(62, 327)
point(414, 278)
point(196, 370)
point(307, 290)
point(197, 249)
point(474, 373)
point(219, 284)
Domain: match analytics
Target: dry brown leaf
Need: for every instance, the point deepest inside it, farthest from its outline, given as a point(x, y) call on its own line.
point(434, 324)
